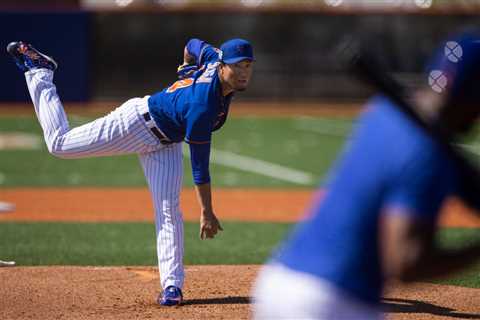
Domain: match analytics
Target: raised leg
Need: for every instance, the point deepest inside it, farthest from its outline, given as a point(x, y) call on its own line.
point(122, 131)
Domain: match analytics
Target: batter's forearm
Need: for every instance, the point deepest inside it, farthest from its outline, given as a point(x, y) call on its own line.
point(204, 196)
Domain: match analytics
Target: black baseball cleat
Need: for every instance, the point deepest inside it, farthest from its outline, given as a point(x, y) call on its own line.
point(28, 58)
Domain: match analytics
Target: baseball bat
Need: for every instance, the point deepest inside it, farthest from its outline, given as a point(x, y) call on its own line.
point(363, 63)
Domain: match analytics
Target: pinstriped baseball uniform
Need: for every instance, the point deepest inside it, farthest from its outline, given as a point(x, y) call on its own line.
point(152, 127)
point(123, 131)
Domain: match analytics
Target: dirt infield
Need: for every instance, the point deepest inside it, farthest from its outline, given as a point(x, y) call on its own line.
point(134, 204)
point(211, 292)
point(121, 293)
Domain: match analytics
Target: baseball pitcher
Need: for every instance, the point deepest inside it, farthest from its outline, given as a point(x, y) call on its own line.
point(153, 127)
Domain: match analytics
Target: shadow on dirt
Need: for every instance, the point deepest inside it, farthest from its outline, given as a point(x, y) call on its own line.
point(225, 300)
point(392, 305)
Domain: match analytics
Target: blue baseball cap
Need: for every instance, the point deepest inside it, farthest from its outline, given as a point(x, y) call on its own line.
point(236, 50)
point(454, 69)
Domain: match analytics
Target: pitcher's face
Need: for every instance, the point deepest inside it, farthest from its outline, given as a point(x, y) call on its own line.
point(237, 75)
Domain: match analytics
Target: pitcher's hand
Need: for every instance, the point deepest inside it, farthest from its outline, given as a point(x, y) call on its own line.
point(209, 225)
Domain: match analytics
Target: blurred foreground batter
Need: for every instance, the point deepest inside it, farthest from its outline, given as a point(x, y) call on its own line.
point(378, 218)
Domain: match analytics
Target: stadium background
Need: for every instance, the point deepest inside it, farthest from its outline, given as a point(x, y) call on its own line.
point(283, 135)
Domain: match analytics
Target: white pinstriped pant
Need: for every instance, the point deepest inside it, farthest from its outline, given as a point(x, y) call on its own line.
point(123, 131)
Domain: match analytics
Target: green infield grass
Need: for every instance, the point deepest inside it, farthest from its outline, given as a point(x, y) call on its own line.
point(132, 243)
point(452, 238)
point(247, 152)
point(110, 244)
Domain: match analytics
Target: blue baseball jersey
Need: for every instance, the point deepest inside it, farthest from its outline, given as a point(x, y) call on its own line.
point(389, 162)
point(192, 108)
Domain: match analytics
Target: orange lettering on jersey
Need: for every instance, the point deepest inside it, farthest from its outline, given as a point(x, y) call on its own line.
point(180, 84)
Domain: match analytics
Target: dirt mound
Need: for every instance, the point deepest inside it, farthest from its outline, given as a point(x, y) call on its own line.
point(211, 292)
point(121, 293)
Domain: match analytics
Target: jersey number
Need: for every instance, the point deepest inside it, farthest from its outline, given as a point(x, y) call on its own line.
point(180, 84)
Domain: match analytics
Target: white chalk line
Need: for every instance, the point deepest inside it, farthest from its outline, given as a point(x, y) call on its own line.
point(19, 141)
point(261, 167)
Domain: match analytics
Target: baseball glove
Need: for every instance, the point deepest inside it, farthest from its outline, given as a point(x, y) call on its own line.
point(186, 70)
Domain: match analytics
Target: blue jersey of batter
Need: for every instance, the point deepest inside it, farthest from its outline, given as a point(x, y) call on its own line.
point(192, 108)
point(388, 163)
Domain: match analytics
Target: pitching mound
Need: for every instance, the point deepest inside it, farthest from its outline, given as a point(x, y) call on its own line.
point(211, 292)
